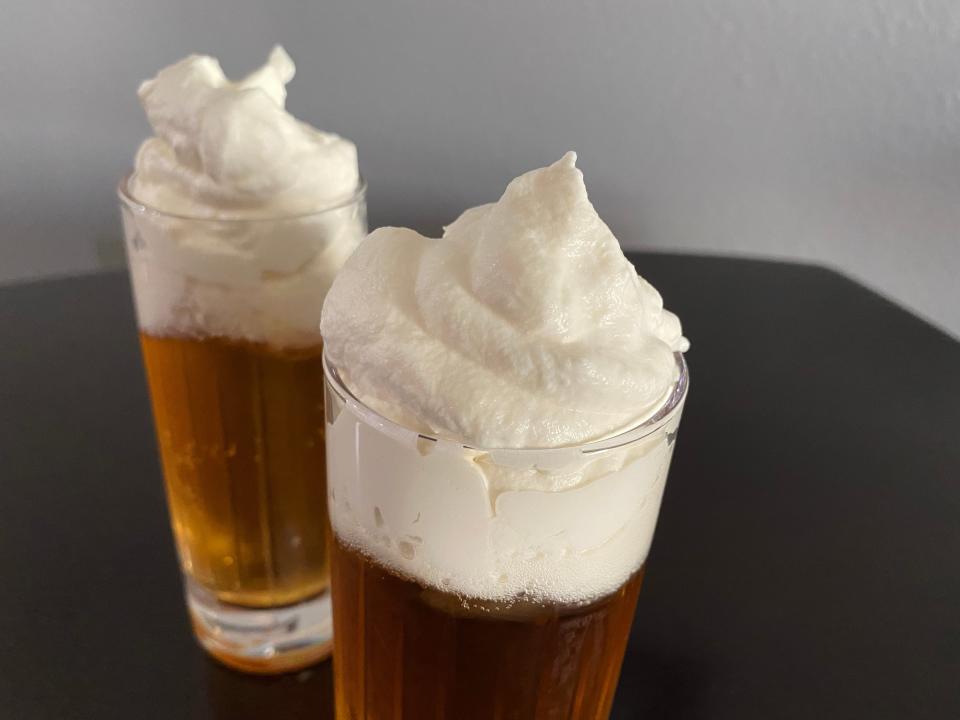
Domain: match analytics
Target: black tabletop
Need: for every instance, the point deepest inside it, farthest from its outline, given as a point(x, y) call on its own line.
point(806, 563)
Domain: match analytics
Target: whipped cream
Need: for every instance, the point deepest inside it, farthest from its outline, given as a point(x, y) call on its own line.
point(468, 372)
point(524, 326)
point(237, 214)
point(229, 149)
point(426, 509)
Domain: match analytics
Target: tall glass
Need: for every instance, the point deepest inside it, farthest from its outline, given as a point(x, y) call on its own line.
point(229, 314)
point(473, 583)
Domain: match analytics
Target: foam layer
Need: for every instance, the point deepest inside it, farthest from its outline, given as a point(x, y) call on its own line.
point(524, 326)
point(231, 241)
point(428, 510)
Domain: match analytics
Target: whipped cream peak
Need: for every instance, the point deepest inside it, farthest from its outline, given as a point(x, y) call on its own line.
point(523, 326)
point(230, 149)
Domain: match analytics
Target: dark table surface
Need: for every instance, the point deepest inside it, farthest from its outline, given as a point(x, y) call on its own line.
point(806, 564)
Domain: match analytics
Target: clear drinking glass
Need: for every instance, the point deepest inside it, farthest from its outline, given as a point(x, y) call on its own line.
point(229, 313)
point(473, 583)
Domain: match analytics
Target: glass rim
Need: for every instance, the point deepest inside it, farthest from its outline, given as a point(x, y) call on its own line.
point(665, 412)
point(127, 199)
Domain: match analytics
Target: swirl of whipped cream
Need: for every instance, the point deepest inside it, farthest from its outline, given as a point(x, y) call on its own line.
point(230, 149)
point(237, 215)
point(524, 326)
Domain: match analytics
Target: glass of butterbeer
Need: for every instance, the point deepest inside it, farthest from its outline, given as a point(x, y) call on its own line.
point(481, 582)
point(228, 313)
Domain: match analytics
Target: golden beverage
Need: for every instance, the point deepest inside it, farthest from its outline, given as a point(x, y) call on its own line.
point(240, 430)
point(405, 651)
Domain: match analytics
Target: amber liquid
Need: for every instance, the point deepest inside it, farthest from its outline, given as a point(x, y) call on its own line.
point(406, 651)
point(240, 429)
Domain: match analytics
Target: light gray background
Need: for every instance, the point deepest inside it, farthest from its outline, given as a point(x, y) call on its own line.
point(825, 130)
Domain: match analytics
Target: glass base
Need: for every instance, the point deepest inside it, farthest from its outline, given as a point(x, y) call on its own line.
point(265, 641)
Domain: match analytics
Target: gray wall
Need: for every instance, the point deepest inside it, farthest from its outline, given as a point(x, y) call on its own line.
point(812, 129)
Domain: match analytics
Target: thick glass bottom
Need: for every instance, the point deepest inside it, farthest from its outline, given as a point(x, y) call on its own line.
point(262, 640)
